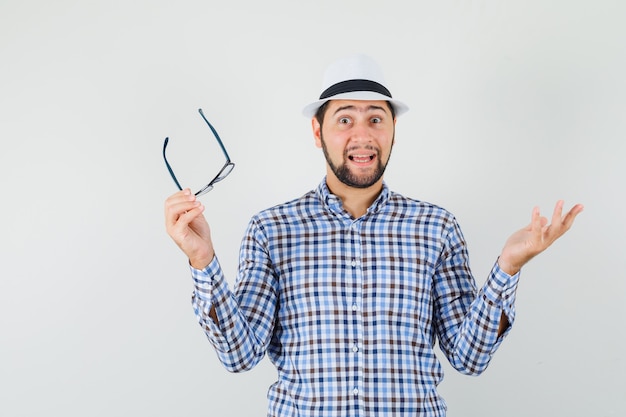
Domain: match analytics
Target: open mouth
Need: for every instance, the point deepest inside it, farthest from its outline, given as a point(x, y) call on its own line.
point(361, 158)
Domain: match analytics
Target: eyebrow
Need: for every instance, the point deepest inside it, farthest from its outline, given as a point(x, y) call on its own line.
point(351, 107)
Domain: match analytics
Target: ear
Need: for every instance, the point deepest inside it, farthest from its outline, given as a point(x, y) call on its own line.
point(317, 132)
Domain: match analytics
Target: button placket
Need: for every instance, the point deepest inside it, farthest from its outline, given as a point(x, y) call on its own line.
point(355, 265)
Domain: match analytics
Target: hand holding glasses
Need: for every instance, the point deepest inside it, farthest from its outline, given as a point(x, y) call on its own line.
point(226, 169)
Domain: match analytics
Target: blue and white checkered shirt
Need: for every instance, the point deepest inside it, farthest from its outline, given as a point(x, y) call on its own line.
point(349, 310)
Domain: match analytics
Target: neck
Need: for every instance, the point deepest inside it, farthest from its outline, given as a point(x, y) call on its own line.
point(355, 201)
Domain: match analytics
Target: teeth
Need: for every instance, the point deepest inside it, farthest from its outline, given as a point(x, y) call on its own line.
point(361, 157)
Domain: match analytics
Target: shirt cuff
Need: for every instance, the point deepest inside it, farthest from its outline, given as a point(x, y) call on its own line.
point(501, 290)
point(501, 287)
point(205, 279)
point(210, 289)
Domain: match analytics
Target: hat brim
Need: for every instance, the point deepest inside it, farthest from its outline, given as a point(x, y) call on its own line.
point(398, 106)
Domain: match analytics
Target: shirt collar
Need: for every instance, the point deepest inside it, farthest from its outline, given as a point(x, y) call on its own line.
point(333, 203)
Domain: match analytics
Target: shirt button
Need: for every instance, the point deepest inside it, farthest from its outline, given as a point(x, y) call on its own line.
point(355, 348)
point(353, 263)
point(354, 307)
point(355, 391)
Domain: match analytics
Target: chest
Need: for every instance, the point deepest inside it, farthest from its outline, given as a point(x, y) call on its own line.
point(381, 270)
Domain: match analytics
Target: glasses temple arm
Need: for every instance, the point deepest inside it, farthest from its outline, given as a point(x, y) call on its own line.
point(167, 164)
point(219, 141)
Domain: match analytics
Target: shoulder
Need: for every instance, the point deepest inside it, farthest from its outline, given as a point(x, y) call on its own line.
point(293, 210)
point(427, 219)
point(401, 205)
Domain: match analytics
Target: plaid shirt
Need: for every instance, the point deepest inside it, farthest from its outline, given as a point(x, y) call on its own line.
point(349, 310)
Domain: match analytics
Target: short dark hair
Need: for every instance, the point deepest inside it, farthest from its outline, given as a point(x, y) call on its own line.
point(321, 111)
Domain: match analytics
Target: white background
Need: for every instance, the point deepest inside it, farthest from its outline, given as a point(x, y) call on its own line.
point(513, 104)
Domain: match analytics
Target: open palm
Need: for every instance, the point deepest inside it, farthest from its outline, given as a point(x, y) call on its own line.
point(533, 239)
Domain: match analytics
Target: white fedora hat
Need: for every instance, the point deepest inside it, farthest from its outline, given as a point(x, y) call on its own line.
point(357, 77)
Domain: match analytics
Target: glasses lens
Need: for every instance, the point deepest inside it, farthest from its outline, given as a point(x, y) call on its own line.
point(204, 190)
point(224, 172)
point(226, 169)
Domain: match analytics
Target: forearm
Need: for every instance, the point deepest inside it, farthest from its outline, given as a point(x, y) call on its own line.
point(500, 290)
point(488, 319)
point(225, 322)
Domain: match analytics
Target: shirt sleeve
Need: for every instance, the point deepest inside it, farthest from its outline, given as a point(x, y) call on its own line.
point(211, 290)
point(245, 316)
point(467, 319)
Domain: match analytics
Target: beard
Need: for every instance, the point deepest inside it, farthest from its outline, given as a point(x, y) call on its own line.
point(353, 179)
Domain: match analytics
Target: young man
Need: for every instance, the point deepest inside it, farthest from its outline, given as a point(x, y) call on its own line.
point(348, 287)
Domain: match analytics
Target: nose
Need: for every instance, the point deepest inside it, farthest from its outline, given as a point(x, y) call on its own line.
point(361, 132)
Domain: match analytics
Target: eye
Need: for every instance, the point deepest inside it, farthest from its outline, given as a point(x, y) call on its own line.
point(344, 120)
point(376, 120)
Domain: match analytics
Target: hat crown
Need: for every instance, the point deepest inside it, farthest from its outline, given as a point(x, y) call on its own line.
point(354, 67)
point(355, 77)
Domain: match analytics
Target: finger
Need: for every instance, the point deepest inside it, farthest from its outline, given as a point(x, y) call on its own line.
point(554, 228)
point(558, 212)
point(178, 204)
point(536, 223)
point(174, 200)
point(182, 226)
point(536, 217)
point(175, 207)
point(183, 195)
point(184, 211)
point(561, 224)
point(568, 220)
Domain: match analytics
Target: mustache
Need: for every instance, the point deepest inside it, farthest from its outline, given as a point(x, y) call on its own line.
point(361, 148)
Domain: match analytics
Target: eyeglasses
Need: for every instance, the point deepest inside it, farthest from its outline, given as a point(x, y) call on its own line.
point(226, 169)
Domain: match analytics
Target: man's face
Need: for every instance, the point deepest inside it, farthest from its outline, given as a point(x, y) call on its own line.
point(356, 137)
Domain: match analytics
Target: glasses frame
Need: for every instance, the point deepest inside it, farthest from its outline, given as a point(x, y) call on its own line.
point(223, 173)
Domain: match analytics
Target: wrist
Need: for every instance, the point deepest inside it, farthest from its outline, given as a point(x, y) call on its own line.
point(507, 267)
point(201, 262)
